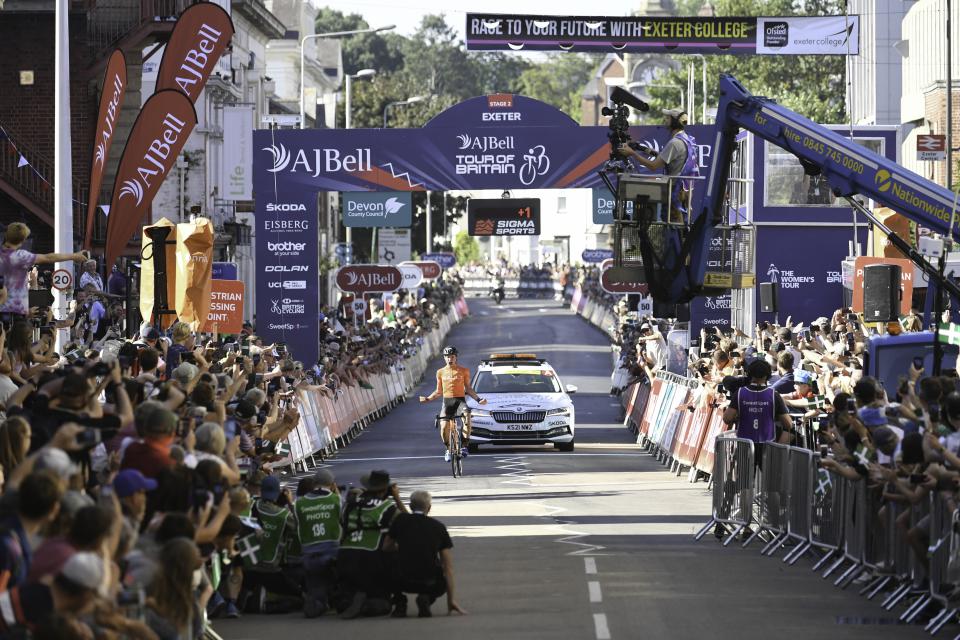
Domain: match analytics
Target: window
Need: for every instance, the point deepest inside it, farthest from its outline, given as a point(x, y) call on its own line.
point(788, 186)
point(562, 204)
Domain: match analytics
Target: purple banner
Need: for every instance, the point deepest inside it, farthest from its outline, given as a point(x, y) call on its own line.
point(492, 142)
point(806, 263)
point(502, 141)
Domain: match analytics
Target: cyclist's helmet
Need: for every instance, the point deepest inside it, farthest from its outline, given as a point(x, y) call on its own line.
point(449, 351)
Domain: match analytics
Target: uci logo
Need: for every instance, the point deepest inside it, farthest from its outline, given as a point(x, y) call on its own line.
point(882, 180)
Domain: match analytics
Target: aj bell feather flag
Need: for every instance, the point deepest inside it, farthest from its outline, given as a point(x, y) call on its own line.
point(199, 38)
point(158, 135)
point(111, 103)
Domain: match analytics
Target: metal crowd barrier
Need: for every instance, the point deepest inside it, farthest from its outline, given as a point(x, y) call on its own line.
point(330, 421)
point(733, 495)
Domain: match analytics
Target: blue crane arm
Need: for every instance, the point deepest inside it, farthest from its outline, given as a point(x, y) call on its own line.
point(848, 168)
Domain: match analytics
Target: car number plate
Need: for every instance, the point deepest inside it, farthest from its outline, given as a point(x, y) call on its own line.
point(519, 427)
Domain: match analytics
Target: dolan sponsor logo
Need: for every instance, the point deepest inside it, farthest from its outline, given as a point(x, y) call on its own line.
point(369, 278)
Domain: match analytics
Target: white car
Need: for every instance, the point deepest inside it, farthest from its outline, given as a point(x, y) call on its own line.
point(526, 403)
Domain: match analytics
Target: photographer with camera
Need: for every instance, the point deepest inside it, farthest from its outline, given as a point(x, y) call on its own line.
point(678, 158)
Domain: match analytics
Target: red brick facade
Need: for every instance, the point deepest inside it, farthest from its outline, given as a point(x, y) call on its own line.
point(27, 112)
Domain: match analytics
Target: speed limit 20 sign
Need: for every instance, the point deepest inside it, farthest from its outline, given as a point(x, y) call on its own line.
point(62, 280)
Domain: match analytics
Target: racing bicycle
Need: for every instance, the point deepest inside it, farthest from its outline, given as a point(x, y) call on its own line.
point(455, 444)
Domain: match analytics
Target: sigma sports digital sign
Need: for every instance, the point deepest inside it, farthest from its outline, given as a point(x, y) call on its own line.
point(503, 216)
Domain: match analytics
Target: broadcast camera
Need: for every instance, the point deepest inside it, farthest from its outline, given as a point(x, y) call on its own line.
point(619, 133)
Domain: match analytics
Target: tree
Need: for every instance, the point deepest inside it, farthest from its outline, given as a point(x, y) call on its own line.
point(466, 249)
point(559, 81)
point(380, 51)
point(810, 85)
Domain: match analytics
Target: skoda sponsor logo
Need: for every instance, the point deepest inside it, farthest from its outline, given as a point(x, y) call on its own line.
point(776, 34)
point(285, 206)
point(286, 248)
point(315, 161)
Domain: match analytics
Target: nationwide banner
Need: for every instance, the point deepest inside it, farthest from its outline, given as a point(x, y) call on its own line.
point(200, 36)
point(158, 135)
point(820, 35)
point(194, 271)
point(111, 102)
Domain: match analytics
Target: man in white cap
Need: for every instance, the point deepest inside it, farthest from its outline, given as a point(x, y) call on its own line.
point(679, 157)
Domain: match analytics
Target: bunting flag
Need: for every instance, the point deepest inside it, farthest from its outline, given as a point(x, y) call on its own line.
point(157, 137)
point(22, 162)
point(200, 36)
point(111, 103)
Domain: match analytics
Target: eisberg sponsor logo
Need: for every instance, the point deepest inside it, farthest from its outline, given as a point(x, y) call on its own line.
point(286, 225)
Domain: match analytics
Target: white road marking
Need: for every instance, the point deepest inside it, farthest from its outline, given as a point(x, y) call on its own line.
point(600, 626)
point(594, 588)
point(481, 456)
point(590, 564)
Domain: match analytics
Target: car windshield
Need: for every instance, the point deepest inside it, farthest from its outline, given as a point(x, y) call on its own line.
point(514, 381)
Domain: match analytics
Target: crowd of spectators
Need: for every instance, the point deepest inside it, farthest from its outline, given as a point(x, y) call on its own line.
point(904, 445)
point(140, 486)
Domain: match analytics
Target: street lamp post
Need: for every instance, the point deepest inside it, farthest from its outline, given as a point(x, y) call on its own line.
point(363, 73)
point(411, 100)
point(331, 34)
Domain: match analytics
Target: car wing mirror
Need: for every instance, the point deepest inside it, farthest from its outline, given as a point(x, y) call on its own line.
point(571, 388)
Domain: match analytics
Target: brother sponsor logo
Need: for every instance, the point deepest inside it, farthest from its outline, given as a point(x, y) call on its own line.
point(286, 248)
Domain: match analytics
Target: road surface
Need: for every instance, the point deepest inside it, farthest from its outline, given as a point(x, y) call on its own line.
point(593, 544)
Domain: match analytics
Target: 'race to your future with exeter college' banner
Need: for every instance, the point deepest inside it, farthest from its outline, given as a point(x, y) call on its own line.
point(794, 35)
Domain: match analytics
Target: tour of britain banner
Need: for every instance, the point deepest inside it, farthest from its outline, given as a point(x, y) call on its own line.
point(817, 35)
point(501, 141)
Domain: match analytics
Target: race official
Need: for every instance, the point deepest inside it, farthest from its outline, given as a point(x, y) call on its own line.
point(425, 558)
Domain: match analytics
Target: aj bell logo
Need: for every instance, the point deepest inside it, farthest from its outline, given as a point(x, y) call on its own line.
point(324, 160)
point(155, 160)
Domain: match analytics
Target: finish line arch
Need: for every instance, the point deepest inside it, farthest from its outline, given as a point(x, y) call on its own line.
point(499, 141)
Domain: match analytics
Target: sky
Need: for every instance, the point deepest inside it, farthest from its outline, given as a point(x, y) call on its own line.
point(406, 14)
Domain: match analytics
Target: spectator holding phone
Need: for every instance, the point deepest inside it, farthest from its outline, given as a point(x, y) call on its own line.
point(15, 265)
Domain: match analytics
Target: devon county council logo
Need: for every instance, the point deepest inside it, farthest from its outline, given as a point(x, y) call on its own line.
point(392, 206)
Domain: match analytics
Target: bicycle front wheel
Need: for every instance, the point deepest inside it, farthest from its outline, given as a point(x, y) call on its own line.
point(455, 465)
